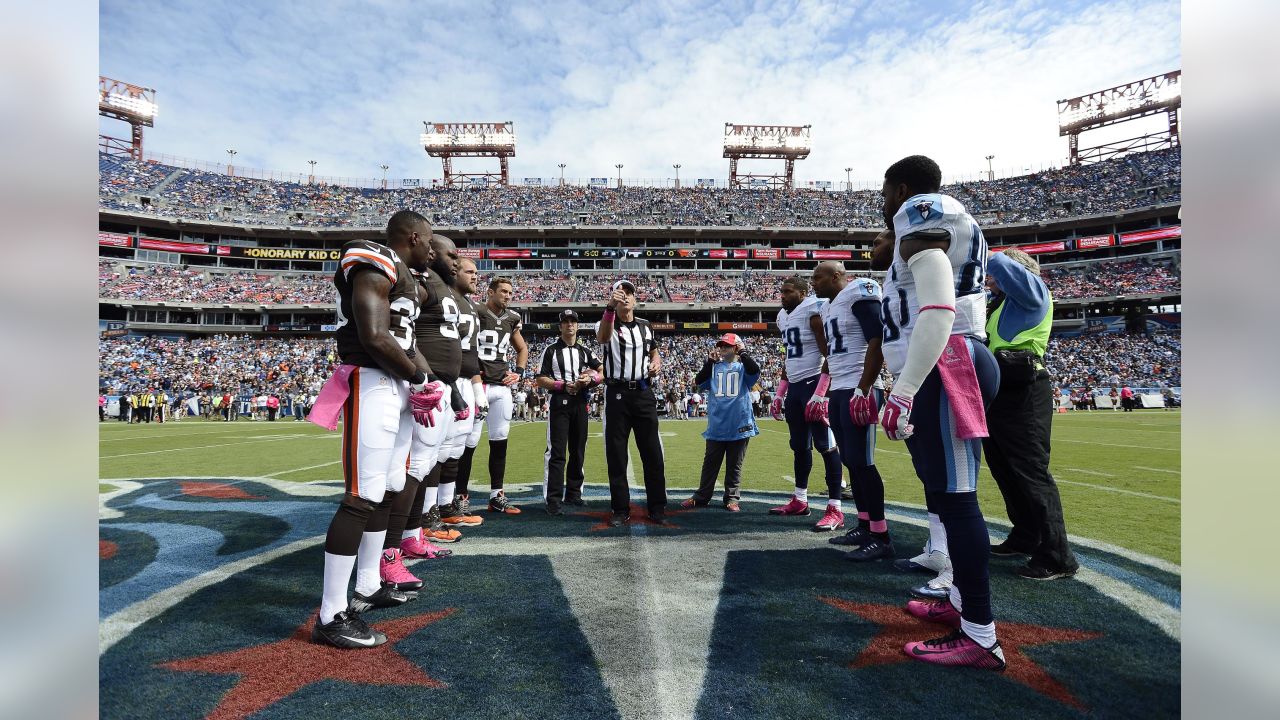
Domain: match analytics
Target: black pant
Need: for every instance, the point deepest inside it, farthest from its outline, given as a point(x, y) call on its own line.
point(732, 453)
point(627, 409)
point(1017, 451)
point(566, 440)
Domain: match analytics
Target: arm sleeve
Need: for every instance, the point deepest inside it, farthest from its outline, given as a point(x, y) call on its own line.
point(545, 368)
point(1020, 285)
point(937, 298)
point(704, 374)
point(749, 365)
point(867, 314)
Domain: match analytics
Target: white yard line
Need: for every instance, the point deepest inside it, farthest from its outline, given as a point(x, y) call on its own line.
point(1139, 447)
point(1135, 493)
point(308, 467)
point(202, 447)
point(1143, 467)
point(1088, 472)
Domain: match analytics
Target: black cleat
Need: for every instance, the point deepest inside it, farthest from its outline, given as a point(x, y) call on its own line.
point(618, 518)
point(1004, 549)
point(575, 501)
point(386, 596)
point(876, 549)
point(1036, 572)
point(555, 510)
point(347, 631)
point(856, 537)
point(658, 514)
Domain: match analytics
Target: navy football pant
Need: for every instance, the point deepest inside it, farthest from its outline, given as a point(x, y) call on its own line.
point(806, 435)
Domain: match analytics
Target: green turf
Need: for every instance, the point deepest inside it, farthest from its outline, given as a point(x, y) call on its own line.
point(1119, 473)
point(105, 487)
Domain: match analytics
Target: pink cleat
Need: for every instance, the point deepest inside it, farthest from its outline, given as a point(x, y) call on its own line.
point(795, 507)
point(939, 611)
point(393, 571)
point(421, 548)
point(956, 649)
point(831, 520)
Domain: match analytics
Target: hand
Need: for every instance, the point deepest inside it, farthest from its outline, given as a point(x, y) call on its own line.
point(616, 298)
point(896, 418)
point(482, 402)
point(425, 403)
point(816, 410)
point(460, 409)
point(714, 357)
point(654, 366)
point(862, 408)
point(571, 388)
point(510, 379)
point(775, 407)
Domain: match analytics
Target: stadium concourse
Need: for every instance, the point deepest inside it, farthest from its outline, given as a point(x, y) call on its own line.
point(220, 517)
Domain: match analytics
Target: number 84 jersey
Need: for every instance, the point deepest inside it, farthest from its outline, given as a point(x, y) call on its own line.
point(942, 217)
point(365, 256)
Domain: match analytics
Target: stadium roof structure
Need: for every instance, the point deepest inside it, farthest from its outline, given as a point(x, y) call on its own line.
point(448, 140)
point(1122, 103)
point(765, 142)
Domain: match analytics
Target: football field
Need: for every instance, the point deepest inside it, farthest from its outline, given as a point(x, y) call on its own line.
point(1119, 473)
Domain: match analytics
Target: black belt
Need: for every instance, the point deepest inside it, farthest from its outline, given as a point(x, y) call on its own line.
point(628, 384)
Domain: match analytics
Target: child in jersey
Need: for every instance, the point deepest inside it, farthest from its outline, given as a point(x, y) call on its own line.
point(727, 376)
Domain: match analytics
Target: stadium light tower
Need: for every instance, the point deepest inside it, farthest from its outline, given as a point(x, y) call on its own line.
point(765, 142)
point(848, 179)
point(1138, 99)
point(311, 179)
point(677, 167)
point(231, 163)
point(619, 166)
point(384, 167)
point(448, 140)
point(562, 166)
point(130, 103)
point(991, 174)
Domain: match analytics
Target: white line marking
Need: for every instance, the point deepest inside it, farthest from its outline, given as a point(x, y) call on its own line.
point(1140, 447)
point(1144, 467)
point(202, 447)
point(294, 470)
point(1088, 472)
point(1135, 493)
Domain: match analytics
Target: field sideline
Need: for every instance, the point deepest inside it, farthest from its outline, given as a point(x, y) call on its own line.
point(1119, 473)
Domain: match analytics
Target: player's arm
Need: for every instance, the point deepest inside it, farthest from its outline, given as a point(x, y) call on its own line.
point(372, 310)
point(1021, 286)
point(816, 409)
point(820, 335)
point(522, 350)
point(604, 331)
point(866, 313)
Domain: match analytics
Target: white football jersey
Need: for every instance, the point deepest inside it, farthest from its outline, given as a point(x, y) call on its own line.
point(967, 252)
point(846, 344)
point(804, 357)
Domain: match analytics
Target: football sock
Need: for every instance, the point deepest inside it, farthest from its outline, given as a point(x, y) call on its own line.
point(833, 503)
point(401, 508)
point(413, 522)
point(984, 635)
point(937, 534)
point(448, 481)
point(446, 494)
point(802, 494)
point(347, 527)
point(497, 463)
point(464, 471)
point(337, 574)
point(969, 547)
point(801, 465)
point(495, 493)
point(862, 517)
point(368, 574)
point(880, 527)
point(869, 491)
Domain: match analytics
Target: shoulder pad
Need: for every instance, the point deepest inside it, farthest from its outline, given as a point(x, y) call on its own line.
point(378, 257)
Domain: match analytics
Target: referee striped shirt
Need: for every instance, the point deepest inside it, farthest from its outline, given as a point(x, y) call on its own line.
point(626, 357)
point(566, 362)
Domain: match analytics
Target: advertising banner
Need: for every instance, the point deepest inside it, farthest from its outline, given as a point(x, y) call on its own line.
point(1094, 241)
point(1044, 247)
point(114, 240)
point(171, 246)
point(599, 182)
point(832, 255)
point(1164, 233)
point(765, 253)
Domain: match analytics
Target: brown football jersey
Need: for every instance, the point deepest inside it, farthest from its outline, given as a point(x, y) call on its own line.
point(366, 256)
point(437, 327)
point(494, 341)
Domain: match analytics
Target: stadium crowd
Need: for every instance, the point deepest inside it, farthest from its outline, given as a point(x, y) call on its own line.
point(1114, 360)
point(1134, 180)
point(1117, 277)
point(174, 283)
point(596, 288)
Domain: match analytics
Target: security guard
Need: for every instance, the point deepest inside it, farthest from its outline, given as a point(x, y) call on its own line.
point(569, 371)
point(1019, 318)
point(630, 359)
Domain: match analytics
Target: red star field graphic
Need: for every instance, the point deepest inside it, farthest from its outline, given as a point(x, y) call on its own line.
point(107, 549)
point(897, 628)
point(639, 516)
point(219, 491)
point(269, 673)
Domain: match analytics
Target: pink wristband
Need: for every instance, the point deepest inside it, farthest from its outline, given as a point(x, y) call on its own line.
point(824, 382)
point(559, 386)
point(610, 315)
point(782, 387)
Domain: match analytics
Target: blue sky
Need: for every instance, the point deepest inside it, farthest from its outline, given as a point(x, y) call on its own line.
point(648, 84)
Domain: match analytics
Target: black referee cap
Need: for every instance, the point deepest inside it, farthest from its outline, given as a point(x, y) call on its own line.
point(568, 316)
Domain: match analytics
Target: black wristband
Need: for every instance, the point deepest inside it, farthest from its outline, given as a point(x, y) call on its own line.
point(520, 371)
point(418, 378)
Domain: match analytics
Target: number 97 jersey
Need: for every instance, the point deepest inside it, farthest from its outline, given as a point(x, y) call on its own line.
point(365, 256)
point(941, 217)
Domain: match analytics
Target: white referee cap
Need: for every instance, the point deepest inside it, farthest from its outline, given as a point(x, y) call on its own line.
point(625, 285)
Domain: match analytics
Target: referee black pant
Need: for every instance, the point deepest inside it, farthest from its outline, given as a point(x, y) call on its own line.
point(1019, 421)
point(627, 409)
point(566, 441)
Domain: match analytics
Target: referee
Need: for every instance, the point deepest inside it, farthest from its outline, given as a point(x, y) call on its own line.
point(1018, 322)
point(569, 371)
point(630, 359)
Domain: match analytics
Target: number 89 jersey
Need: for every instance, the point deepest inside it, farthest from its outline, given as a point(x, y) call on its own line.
point(934, 214)
point(361, 256)
point(804, 357)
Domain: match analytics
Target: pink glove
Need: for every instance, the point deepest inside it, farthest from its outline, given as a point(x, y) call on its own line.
point(426, 402)
point(816, 409)
point(775, 407)
point(862, 408)
point(462, 414)
point(896, 418)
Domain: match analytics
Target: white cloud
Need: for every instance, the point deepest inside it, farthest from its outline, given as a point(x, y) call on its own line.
point(645, 84)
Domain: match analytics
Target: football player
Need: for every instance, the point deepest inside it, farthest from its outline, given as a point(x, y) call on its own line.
point(464, 438)
point(382, 387)
point(851, 318)
point(934, 317)
point(802, 400)
point(499, 332)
